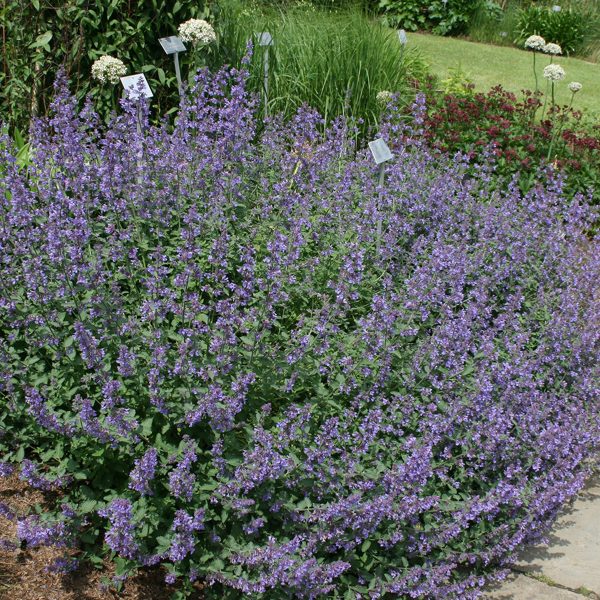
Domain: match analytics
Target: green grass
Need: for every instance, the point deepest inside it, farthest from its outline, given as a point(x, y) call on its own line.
point(512, 68)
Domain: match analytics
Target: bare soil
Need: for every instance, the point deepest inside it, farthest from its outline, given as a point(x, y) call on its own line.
point(24, 573)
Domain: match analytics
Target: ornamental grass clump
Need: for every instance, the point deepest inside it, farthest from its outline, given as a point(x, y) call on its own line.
point(218, 368)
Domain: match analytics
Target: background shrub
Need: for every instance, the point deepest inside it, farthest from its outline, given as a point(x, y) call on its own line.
point(495, 24)
point(237, 356)
point(567, 27)
point(72, 34)
point(441, 17)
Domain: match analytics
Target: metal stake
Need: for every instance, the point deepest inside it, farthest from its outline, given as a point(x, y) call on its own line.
point(140, 156)
point(265, 39)
point(266, 79)
point(178, 73)
point(380, 220)
point(381, 154)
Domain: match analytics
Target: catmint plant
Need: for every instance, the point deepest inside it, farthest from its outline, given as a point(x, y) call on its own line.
point(221, 369)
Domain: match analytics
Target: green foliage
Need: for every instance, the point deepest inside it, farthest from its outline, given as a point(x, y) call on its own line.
point(46, 35)
point(492, 23)
point(441, 17)
point(567, 27)
point(458, 82)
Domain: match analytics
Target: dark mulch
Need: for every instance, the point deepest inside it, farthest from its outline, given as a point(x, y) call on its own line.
point(24, 574)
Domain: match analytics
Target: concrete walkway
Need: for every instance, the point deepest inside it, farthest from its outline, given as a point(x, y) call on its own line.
point(568, 568)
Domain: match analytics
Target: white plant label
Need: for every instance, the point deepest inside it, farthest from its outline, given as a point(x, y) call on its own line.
point(172, 44)
point(402, 37)
point(380, 151)
point(136, 86)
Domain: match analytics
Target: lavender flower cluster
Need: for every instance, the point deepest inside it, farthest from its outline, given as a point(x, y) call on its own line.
point(207, 343)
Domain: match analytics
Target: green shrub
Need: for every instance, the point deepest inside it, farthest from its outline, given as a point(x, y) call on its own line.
point(458, 83)
point(493, 24)
point(45, 35)
point(567, 27)
point(442, 17)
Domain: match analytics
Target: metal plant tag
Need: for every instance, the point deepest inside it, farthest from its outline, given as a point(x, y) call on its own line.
point(172, 44)
point(402, 36)
point(265, 39)
point(380, 151)
point(136, 86)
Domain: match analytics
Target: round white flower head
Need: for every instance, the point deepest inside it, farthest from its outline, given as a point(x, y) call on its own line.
point(384, 97)
point(535, 42)
point(107, 68)
point(575, 86)
point(554, 72)
point(198, 32)
point(552, 49)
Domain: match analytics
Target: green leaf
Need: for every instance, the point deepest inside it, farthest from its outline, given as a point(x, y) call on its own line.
point(147, 426)
point(19, 141)
point(42, 40)
point(88, 506)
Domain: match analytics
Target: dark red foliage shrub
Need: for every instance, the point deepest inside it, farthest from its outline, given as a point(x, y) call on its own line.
point(523, 134)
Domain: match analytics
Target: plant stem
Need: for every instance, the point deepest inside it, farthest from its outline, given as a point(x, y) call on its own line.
point(561, 125)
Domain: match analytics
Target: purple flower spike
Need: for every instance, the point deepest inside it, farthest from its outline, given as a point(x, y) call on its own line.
point(143, 472)
point(121, 536)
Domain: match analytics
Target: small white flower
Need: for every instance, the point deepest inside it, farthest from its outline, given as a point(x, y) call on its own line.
point(575, 86)
point(554, 72)
point(198, 32)
point(384, 97)
point(107, 68)
point(535, 42)
point(552, 49)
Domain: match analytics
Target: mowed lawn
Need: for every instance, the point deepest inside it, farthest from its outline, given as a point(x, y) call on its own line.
point(487, 66)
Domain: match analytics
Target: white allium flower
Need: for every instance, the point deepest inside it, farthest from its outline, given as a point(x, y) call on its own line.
point(384, 97)
point(198, 32)
point(107, 68)
point(552, 49)
point(554, 72)
point(575, 86)
point(535, 42)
